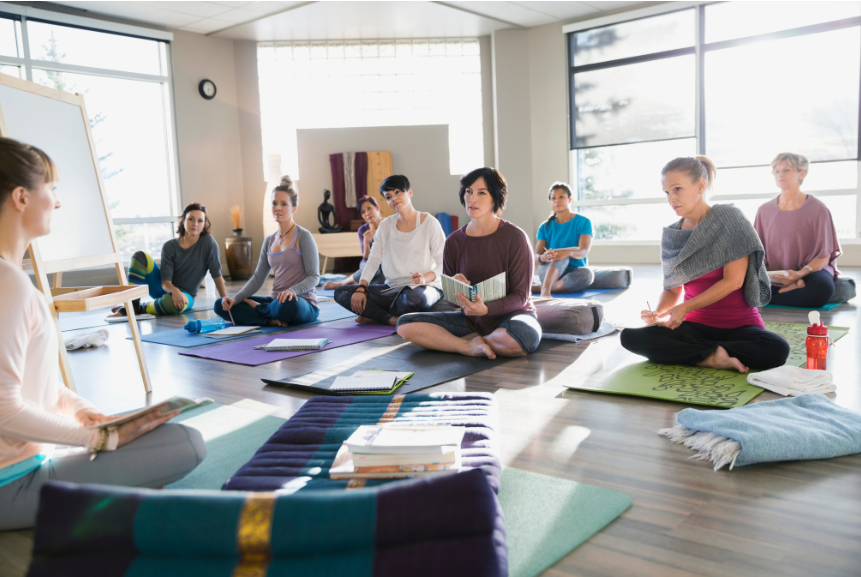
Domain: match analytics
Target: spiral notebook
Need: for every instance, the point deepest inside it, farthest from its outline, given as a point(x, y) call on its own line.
point(294, 345)
point(370, 382)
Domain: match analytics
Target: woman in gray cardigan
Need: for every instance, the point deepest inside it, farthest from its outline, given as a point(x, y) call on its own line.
point(292, 254)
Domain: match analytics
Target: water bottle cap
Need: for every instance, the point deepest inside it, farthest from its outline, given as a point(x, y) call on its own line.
point(819, 330)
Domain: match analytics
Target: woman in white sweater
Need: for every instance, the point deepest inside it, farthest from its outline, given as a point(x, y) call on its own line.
point(36, 410)
point(408, 246)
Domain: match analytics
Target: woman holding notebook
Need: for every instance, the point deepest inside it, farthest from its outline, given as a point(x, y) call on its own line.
point(483, 249)
point(799, 237)
point(714, 278)
point(408, 247)
point(292, 253)
point(36, 408)
point(370, 211)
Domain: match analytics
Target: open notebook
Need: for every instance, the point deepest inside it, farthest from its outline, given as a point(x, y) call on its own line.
point(370, 382)
point(490, 290)
point(294, 345)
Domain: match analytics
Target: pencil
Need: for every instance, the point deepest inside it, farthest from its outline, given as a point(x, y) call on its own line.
point(231, 317)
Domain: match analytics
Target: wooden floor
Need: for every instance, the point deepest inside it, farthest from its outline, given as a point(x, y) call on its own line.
point(791, 519)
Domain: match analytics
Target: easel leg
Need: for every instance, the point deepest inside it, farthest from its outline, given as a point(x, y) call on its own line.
point(65, 367)
point(58, 280)
point(136, 337)
point(325, 262)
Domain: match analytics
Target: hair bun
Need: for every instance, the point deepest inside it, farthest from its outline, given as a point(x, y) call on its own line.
point(286, 180)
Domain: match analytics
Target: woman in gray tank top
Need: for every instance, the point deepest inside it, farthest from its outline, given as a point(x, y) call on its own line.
point(292, 254)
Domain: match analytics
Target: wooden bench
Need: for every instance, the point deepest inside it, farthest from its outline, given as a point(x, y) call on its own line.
point(337, 245)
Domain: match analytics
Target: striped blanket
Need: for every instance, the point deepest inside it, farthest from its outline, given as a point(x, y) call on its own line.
point(299, 454)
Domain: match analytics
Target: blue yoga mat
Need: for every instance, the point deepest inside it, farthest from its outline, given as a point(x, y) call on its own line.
point(827, 307)
point(325, 293)
point(182, 338)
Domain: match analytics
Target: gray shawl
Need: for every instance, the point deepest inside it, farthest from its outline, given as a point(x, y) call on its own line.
point(723, 236)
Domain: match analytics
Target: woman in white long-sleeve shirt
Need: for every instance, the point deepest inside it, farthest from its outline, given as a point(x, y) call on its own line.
point(408, 246)
point(36, 410)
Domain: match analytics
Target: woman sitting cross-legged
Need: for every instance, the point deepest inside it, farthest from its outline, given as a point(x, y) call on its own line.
point(292, 253)
point(482, 249)
point(184, 263)
point(36, 411)
point(408, 247)
point(714, 278)
point(799, 237)
point(370, 211)
point(564, 241)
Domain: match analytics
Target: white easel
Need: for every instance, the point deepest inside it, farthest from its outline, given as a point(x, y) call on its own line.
point(82, 233)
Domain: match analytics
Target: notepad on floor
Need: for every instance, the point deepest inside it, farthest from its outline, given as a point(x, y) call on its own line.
point(490, 290)
point(125, 319)
point(294, 345)
point(233, 331)
point(370, 382)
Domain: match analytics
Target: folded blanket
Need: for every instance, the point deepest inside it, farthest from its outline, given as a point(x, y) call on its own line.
point(791, 381)
point(796, 428)
point(95, 339)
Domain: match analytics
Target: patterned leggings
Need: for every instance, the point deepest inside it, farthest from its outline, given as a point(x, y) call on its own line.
point(144, 270)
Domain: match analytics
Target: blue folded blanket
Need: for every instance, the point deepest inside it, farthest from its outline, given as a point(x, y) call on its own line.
point(804, 427)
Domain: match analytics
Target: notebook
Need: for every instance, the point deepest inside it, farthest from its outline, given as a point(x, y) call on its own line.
point(294, 345)
point(163, 408)
point(231, 332)
point(343, 467)
point(490, 290)
point(370, 381)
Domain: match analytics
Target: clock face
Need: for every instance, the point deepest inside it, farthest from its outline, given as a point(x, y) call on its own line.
point(207, 89)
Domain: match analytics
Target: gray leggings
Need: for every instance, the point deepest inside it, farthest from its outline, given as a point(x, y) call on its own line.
point(575, 281)
point(160, 457)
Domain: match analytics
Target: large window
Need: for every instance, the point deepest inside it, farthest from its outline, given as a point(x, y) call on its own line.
point(736, 81)
point(371, 83)
point(126, 85)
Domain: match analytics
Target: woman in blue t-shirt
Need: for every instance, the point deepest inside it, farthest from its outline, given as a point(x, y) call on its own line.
point(564, 241)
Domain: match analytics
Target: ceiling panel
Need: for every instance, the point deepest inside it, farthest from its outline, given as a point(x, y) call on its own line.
point(346, 20)
point(518, 13)
point(563, 10)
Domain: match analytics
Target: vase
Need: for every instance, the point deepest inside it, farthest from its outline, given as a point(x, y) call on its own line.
point(238, 255)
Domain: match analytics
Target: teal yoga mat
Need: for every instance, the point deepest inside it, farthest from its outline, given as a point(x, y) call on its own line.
point(827, 307)
point(546, 518)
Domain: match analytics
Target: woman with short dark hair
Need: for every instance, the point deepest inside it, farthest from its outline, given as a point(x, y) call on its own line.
point(408, 248)
point(482, 249)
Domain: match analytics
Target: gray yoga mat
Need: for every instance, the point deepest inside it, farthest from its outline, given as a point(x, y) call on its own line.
point(429, 367)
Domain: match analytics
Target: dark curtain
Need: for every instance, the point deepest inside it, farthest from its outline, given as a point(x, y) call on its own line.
point(343, 214)
point(361, 177)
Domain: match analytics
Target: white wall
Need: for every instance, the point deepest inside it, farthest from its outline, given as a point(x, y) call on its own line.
point(419, 152)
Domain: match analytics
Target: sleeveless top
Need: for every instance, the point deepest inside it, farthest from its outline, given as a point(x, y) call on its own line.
point(289, 269)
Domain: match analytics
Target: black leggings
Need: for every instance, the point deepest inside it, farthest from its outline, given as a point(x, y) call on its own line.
point(381, 306)
point(818, 290)
point(691, 343)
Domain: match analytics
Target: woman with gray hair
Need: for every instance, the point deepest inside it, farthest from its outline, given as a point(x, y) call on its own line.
point(799, 237)
point(714, 279)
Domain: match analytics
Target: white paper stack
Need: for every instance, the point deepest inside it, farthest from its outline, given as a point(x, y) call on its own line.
point(792, 381)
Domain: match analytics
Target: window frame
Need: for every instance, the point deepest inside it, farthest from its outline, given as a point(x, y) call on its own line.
point(699, 49)
point(27, 64)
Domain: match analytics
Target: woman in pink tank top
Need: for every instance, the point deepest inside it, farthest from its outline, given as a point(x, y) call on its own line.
point(713, 269)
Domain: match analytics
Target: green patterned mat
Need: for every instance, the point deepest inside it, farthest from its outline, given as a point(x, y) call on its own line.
point(698, 385)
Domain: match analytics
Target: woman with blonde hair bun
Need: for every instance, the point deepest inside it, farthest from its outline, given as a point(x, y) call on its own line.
point(714, 278)
point(292, 253)
point(799, 237)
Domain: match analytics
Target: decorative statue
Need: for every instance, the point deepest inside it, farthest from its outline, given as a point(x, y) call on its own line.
point(324, 212)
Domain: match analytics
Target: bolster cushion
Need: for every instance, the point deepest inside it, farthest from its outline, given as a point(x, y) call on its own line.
point(612, 278)
point(569, 316)
point(844, 289)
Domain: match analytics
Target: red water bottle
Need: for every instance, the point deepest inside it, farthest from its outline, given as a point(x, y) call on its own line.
point(817, 346)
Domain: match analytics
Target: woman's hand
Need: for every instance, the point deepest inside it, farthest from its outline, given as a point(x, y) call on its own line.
point(551, 256)
point(786, 280)
point(227, 303)
point(461, 278)
point(179, 300)
point(287, 295)
point(471, 309)
point(648, 317)
point(358, 301)
point(368, 236)
point(418, 278)
point(87, 417)
point(142, 425)
point(676, 316)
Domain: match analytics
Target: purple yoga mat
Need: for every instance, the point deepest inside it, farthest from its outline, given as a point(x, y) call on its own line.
point(340, 334)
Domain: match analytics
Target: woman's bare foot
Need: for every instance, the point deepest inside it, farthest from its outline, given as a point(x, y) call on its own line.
point(545, 294)
point(720, 359)
point(118, 311)
point(277, 323)
point(478, 347)
point(796, 285)
point(364, 320)
point(393, 321)
point(331, 285)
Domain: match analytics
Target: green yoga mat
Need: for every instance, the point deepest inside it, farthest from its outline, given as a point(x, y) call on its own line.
point(546, 518)
point(232, 437)
point(698, 385)
point(826, 307)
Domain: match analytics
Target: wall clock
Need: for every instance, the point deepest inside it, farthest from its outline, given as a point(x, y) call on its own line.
point(207, 88)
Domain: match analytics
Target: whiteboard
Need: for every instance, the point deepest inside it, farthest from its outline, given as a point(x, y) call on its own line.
point(79, 228)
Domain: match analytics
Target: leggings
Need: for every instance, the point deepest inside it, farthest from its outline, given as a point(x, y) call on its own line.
point(383, 306)
point(818, 290)
point(297, 311)
point(144, 270)
point(691, 343)
point(575, 280)
point(153, 460)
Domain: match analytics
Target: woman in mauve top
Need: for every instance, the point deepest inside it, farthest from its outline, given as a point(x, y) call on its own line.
point(482, 249)
point(291, 254)
point(36, 411)
point(799, 237)
point(370, 212)
point(708, 320)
